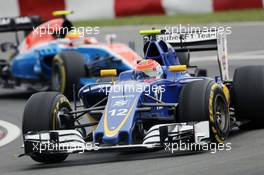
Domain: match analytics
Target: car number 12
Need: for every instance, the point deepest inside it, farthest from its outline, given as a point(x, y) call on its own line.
point(118, 112)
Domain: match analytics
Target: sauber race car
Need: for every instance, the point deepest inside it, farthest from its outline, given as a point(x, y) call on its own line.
point(54, 55)
point(146, 108)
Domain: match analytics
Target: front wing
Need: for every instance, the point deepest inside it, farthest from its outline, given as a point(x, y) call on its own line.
point(71, 141)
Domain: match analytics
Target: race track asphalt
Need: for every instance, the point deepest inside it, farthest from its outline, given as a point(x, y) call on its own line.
point(246, 156)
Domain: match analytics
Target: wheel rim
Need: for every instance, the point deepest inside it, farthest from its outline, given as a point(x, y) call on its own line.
point(221, 114)
point(61, 123)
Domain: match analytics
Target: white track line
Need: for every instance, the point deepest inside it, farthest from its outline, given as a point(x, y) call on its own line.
point(12, 132)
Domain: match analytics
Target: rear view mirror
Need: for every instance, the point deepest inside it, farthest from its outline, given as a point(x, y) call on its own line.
point(108, 72)
point(178, 68)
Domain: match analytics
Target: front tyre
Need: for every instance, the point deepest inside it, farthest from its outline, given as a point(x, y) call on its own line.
point(204, 100)
point(41, 114)
point(67, 69)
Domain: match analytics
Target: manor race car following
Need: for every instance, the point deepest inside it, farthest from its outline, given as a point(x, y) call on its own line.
point(156, 103)
point(54, 55)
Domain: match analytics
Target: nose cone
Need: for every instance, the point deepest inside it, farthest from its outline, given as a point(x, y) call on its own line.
point(116, 124)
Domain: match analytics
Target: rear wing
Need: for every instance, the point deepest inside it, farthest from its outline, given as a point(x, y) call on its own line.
point(193, 42)
point(21, 23)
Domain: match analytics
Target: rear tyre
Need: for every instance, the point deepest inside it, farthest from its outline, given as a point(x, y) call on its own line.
point(205, 101)
point(67, 69)
point(201, 73)
point(41, 114)
point(183, 58)
point(248, 94)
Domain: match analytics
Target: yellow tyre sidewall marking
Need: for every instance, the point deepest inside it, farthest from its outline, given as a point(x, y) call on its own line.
point(211, 114)
point(211, 100)
point(62, 73)
point(227, 94)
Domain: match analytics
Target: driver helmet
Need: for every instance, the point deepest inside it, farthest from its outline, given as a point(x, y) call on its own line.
point(72, 35)
point(77, 38)
point(151, 68)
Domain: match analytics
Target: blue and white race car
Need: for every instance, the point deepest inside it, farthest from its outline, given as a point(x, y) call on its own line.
point(156, 104)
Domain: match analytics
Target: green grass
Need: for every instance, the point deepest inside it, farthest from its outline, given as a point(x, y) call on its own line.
point(230, 16)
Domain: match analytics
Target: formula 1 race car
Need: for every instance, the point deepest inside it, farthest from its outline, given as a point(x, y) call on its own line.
point(54, 56)
point(155, 104)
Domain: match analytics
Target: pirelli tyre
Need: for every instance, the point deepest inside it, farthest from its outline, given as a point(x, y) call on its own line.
point(205, 100)
point(67, 69)
point(183, 57)
point(248, 94)
point(41, 114)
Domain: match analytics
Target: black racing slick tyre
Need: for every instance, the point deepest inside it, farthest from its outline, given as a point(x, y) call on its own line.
point(205, 100)
point(183, 58)
point(41, 114)
point(67, 69)
point(248, 93)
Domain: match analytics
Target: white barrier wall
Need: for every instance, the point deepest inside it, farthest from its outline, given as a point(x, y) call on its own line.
point(174, 7)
